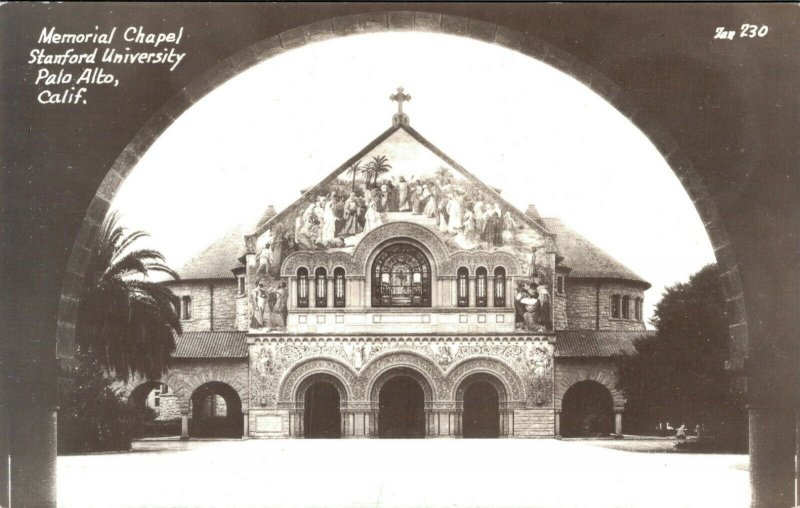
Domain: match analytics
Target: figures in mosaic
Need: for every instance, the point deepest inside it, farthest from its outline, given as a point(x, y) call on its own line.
point(263, 370)
point(258, 305)
point(541, 374)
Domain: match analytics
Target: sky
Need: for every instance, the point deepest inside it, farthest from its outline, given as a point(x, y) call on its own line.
point(516, 123)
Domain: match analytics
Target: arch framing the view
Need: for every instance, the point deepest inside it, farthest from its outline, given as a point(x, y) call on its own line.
point(402, 21)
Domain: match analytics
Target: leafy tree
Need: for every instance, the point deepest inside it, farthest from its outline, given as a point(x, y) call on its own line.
point(679, 374)
point(92, 417)
point(125, 321)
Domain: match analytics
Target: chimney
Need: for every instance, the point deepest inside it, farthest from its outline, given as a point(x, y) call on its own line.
point(533, 213)
point(269, 213)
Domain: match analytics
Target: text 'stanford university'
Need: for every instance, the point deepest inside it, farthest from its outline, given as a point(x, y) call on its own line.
point(402, 297)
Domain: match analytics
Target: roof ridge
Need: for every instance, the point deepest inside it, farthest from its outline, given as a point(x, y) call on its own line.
point(220, 242)
point(261, 228)
point(427, 144)
point(474, 179)
point(578, 238)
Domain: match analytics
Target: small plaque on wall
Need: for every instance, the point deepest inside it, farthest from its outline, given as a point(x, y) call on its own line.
point(269, 424)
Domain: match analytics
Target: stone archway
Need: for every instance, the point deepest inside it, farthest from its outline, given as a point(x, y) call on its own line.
point(433, 22)
point(165, 405)
point(321, 398)
point(401, 404)
point(587, 410)
point(215, 411)
point(480, 397)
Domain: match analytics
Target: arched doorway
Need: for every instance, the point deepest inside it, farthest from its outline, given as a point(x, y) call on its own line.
point(322, 417)
point(165, 416)
point(481, 416)
point(587, 410)
point(215, 411)
point(401, 412)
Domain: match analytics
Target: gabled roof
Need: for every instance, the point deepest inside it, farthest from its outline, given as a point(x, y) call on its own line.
point(217, 260)
point(596, 343)
point(225, 344)
point(586, 259)
point(265, 223)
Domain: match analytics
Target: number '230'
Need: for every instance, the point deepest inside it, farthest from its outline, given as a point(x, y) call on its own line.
point(753, 31)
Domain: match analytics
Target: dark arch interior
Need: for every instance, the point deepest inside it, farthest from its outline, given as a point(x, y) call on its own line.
point(587, 410)
point(322, 418)
point(481, 416)
point(165, 419)
point(401, 409)
point(216, 411)
point(140, 394)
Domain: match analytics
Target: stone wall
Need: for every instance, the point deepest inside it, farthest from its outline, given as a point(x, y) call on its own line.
point(243, 312)
point(582, 305)
point(569, 371)
point(534, 423)
point(560, 319)
point(225, 298)
point(186, 375)
point(219, 295)
point(607, 289)
point(169, 407)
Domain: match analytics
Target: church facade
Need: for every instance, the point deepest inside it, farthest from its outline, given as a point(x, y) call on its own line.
point(402, 297)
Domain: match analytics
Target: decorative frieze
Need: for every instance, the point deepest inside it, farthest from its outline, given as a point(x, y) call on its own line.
point(523, 365)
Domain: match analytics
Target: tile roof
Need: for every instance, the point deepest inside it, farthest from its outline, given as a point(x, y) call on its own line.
point(586, 259)
point(596, 343)
point(217, 261)
point(227, 344)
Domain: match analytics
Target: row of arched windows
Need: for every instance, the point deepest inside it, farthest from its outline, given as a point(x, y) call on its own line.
point(498, 290)
point(621, 307)
point(320, 287)
point(320, 283)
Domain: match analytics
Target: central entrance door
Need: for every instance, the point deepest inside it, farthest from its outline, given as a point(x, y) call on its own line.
point(481, 417)
point(322, 417)
point(401, 409)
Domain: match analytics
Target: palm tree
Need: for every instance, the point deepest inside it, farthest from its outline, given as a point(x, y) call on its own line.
point(443, 174)
point(125, 320)
point(353, 170)
point(377, 166)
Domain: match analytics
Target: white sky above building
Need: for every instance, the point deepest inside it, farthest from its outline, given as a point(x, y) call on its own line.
point(516, 123)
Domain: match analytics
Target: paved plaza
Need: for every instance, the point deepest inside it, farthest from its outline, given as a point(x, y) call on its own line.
point(408, 473)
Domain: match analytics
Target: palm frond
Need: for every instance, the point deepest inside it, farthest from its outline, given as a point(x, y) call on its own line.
point(127, 323)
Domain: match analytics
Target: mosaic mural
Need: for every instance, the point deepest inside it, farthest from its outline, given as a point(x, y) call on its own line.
point(401, 180)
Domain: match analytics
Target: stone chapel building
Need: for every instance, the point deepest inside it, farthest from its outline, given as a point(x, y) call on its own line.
point(401, 297)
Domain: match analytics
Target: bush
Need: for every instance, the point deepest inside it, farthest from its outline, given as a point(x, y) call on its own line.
point(162, 428)
point(92, 417)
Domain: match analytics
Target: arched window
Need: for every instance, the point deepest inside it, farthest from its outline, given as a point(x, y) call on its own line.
point(626, 307)
point(401, 277)
point(480, 287)
point(186, 307)
point(638, 309)
point(463, 287)
point(321, 279)
point(302, 287)
point(338, 287)
point(615, 306)
point(499, 287)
